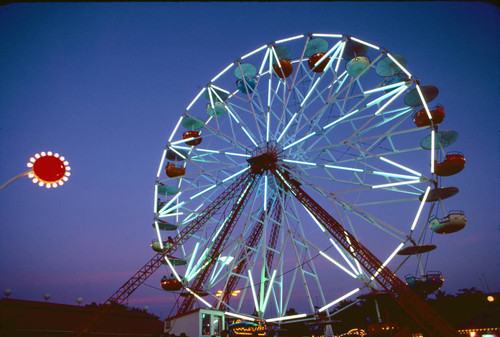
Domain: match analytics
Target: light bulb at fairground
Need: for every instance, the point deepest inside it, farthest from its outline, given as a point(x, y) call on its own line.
point(48, 169)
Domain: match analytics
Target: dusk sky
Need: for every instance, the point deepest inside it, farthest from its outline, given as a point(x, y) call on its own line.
point(104, 84)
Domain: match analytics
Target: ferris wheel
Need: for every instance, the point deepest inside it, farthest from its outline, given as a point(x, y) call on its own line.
point(303, 126)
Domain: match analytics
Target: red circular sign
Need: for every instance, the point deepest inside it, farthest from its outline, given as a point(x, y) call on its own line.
point(49, 169)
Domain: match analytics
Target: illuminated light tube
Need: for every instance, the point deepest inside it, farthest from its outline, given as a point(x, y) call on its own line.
point(269, 291)
point(399, 92)
point(170, 202)
point(300, 140)
point(170, 265)
point(277, 60)
point(219, 88)
point(381, 98)
point(264, 61)
point(173, 208)
point(397, 184)
point(290, 39)
point(328, 53)
point(177, 152)
point(343, 255)
point(339, 299)
point(402, 176)
point(204, 191)
point(198, 297)
point(175, 129)
point(265, 192)
point(253, 52)
point(310, 92)
point(188, 270)
point(251, 138)
point(237, 154)
point(315, 220)
point(337, 264)
point(327, 35)
point(155, 203)
point(161, 163)
point(395, 85)
point(422, 203)
point(299, 162)
point(424, 102)
point(343, 168)
point(239, 316)
point(237, 173)
point(388, 260)
point(433, 139)
point(399, 65)
point(285, 318)
point(365, 43)
point(222, 72)
point(340, 119)
point(195, 99)
point(287, 126)
point(401, 166)
point(206, 150)
point(268, 126)
point(340, 57)
point(253, 291)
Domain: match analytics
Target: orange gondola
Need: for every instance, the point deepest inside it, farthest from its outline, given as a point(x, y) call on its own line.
point(192, 134)
point(285, 70)
point(422, 119)
point(314, 59)
point(171, 283)
point(173, 171)
point(454, 163)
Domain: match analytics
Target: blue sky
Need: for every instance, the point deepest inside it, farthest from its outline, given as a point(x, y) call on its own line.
point(103, 84)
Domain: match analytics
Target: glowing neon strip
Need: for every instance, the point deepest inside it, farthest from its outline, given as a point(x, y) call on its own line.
point(290, 39)
point(175, 129)
point(195, 99)
point(285, 318)
point(220, 228)
point(264, 61)
point(237, 154)
point(269, 291)
point(155, 204)
point(402, 176)
point(268, 125)
point(315, 220)
point(206, 150)
point(239, 316)
point(287, 126)
point(300, 140)
point(338, 264)
point(177, 152)
point(433, 139)
point(172, 267)
point(190, 264)
point(253, 141)
point(397, 184)
point(170, 202)
point(161, 162)
point(339, 299)
point(253, 52)
point(197, 271)
point(253, 291)
point(174, 207)
point(395, 85)
point(424, 102)
point(205, 190)
point(198, 297)
point(343, 255)
point(234, 175)
point(422, 203)
point(400, 91)
point(340, 119)
point(401, 166)
point(202, 257)
point(344, 168)
point(399, 65)
point(265, 192)
point(299, 162)
point(340, 56)
point(327, 35)
point(365, 43)
point(352, 251)
point(216, 87)
point(222, 72)
point(310, 92)
point(387, 261)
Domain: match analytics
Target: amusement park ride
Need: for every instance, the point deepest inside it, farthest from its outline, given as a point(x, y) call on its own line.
point(267, 187)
